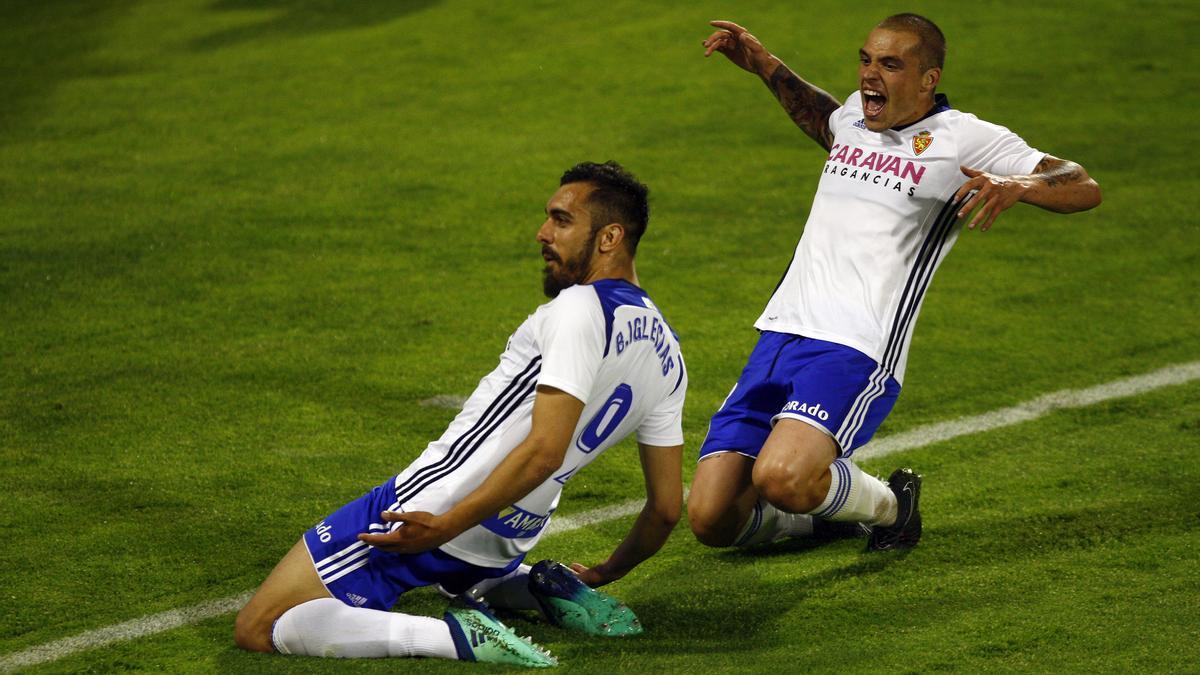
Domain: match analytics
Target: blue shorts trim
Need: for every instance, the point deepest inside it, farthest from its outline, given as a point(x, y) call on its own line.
point(830, 386)
point(363, 576)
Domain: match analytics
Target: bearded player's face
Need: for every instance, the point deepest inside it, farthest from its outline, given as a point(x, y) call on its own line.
point(567, 238)
point(895, 90)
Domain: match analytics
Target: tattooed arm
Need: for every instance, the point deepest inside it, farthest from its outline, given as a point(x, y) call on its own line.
point(807, 105)
point(1056, 185)
point(1062, 186)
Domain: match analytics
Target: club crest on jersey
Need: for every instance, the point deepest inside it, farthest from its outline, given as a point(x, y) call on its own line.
point(922, 141)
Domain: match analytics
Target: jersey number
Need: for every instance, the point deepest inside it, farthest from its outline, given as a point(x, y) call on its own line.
point(604, 423)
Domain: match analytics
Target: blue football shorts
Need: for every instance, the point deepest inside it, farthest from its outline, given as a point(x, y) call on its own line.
point(833, 387)
point(364, 576)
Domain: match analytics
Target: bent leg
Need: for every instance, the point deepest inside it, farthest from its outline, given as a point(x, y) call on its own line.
point(798, 471)
point(510, 591)
point(725, 509)
point(792, 471)
point(294, 610)
point(722, 498)
point(291, 583)
point(330, 628)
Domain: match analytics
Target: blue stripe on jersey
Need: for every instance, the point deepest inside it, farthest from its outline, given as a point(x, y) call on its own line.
point(464, 446)
point(940, 235)
point(940, 105)
point(907, 297)
point(679, 381)
point(918, 282)
point(614, 293)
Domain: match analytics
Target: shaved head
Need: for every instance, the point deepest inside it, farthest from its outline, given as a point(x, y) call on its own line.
point(932, 45)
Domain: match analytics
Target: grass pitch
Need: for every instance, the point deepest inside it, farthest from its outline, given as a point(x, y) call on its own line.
point(242, 240)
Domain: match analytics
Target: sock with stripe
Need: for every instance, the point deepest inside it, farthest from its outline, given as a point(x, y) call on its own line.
point(856, 497)
point(327, 627)
point(767, 523)
point(510, 591)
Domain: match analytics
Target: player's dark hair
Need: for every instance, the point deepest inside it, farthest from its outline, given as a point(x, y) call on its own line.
point(618, 197)
point(933, 43)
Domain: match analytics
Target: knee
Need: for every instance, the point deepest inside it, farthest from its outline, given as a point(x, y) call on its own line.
point(252, 631)
point(709, 532)
point(710, 526)
point(789, 488)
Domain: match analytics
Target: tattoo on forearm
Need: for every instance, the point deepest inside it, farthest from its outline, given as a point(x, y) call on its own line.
point(1055, 172)
point(808, 106)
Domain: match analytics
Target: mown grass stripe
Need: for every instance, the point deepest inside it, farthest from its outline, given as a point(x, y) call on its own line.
point(915, 438)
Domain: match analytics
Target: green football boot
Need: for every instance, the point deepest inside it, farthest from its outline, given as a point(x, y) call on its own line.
point(479, 636)
point(568, 602)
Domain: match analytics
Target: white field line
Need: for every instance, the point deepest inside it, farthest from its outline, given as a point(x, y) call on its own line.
point(915, 438)
point(122, 632)
point(1033, 409)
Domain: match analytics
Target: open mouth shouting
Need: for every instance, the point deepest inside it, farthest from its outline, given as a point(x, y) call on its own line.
point(874, 101)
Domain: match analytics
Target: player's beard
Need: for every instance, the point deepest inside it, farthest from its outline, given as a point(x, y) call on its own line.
point(570, 272)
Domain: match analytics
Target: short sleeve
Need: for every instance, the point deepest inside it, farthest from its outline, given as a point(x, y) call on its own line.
point(994, 149)
point(849, 113)
point(570, 337)
point(664, 426)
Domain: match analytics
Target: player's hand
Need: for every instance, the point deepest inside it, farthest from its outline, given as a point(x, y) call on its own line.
point(737, 45)
point(421, 531)
point(593, 576)
point(993, 195)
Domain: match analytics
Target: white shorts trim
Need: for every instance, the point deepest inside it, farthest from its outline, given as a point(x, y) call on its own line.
point(810, 422)
point(724, 452)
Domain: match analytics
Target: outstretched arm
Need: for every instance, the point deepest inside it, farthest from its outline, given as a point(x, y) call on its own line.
point(555, 414)
point(662, 469)
point(1056, 185)
point(808, 106)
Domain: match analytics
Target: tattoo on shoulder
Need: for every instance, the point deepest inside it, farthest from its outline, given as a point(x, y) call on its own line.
point(808, 106)
point(1055, 172)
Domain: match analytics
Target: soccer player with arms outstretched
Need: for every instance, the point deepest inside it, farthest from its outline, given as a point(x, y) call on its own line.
point(587, 369)
point(903, 170)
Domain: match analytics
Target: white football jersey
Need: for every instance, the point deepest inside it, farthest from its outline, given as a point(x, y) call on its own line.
point(604, 343)
point(880, 226)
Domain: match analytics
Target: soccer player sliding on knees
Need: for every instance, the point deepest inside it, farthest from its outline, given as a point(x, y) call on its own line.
point(904, 171)
point(596, 364)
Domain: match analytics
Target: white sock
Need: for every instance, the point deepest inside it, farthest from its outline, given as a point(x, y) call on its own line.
point(767, 523)
point(856, 497)
point(327, 627)
point(510, 591)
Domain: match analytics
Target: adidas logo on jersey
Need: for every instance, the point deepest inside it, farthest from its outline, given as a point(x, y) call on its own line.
point(814, 410)
point(356, 599)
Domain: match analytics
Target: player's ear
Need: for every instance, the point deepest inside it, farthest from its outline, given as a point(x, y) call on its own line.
point(610, 237)
point(931, 78)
